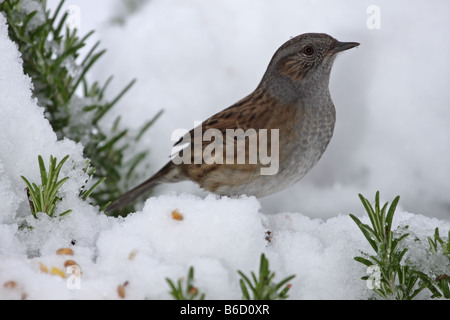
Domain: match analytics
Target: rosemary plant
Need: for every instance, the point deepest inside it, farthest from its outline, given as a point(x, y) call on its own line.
point(394, 278)
point(263, 287)
point(186, 292)
point(43, 198)
point(74, 107)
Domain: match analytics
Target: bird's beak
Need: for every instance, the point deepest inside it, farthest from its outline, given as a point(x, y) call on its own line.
point(342, 46)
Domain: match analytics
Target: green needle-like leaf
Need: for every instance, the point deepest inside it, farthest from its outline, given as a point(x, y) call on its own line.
point(43, 198)
point(189, 292)
point(263, 287)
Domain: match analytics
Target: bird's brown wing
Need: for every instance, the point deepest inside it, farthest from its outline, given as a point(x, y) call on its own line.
point(251, 114)
point(256, 111)
point(240, 115)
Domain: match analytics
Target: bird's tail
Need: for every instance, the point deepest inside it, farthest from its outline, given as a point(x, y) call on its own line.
point(162, 176)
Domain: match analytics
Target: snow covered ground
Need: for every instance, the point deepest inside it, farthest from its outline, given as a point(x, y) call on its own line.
point(192, 59)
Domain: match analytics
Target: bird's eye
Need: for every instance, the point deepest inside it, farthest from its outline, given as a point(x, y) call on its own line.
point(308, 50)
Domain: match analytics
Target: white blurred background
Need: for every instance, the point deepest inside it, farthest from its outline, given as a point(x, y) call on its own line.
point(392, 94)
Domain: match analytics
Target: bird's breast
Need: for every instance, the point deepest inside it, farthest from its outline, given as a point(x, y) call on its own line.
point(303, 142)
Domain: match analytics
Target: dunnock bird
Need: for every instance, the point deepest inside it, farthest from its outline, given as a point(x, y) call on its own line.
point(292, 100)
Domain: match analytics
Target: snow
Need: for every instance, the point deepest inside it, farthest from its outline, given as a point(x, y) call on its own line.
point(193, 60)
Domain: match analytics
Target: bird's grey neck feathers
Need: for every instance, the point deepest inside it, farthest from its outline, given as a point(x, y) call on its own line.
point(311, 91)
